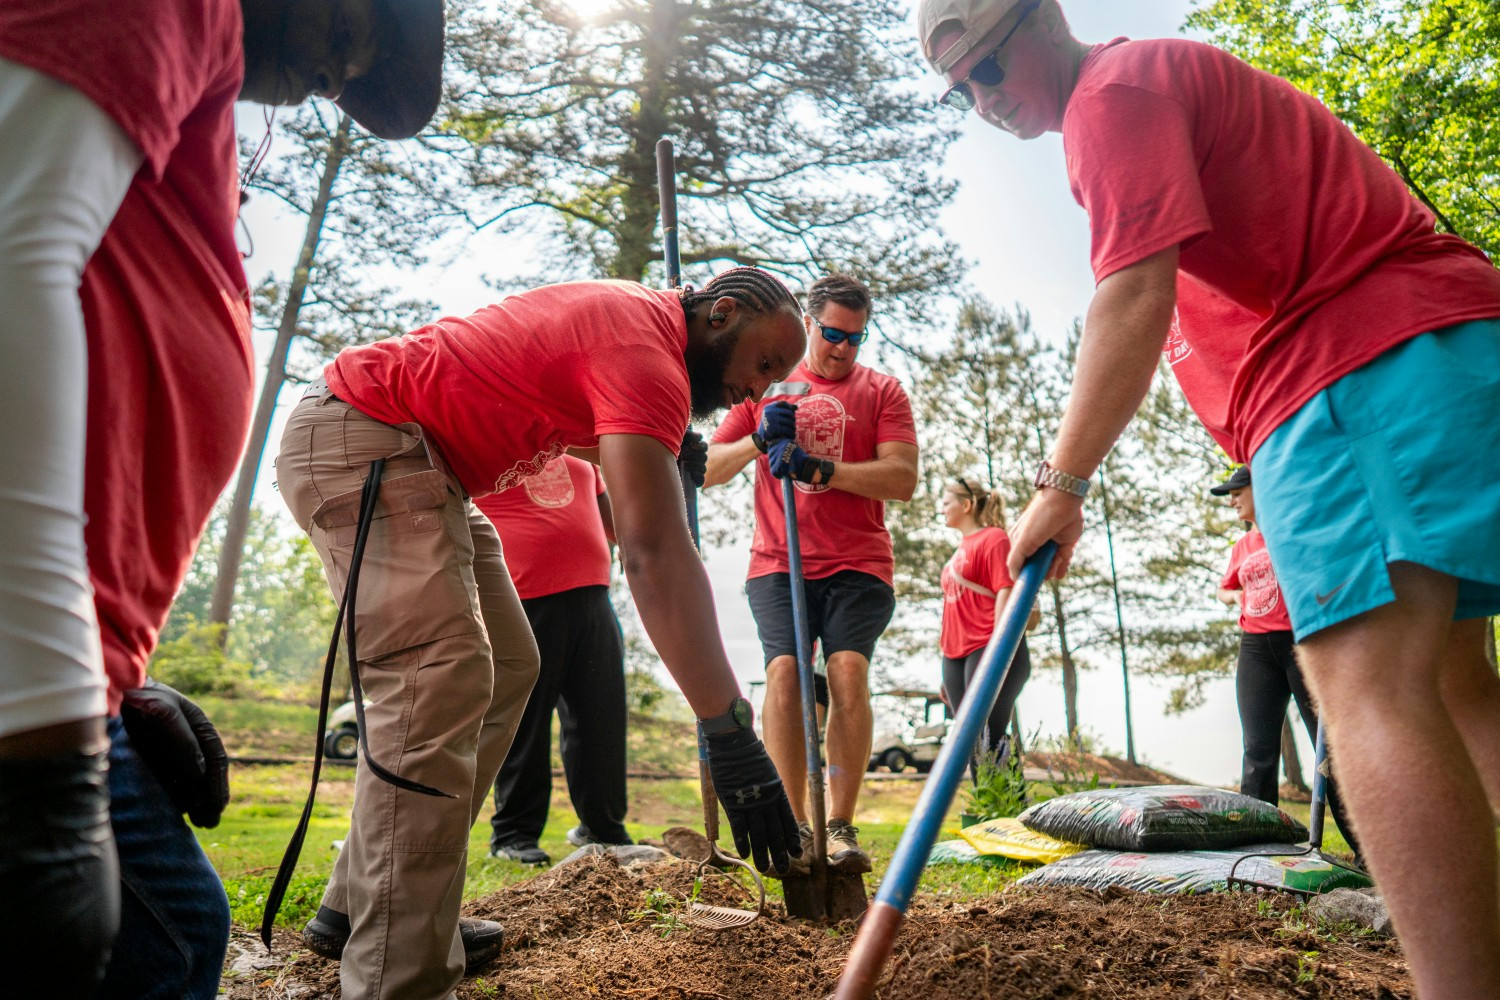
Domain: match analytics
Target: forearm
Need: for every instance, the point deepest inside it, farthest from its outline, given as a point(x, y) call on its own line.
point(727, 458)
point(675, 602)
point(1229, 597)
point(1127, 324)
point(877, 479)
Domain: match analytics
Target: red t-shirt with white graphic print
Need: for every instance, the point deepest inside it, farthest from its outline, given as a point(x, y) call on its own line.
point(841, 420)
point(501, 393)
point(1262, 608)
point(550, 528)
point(969, 616)
point(1276, 207)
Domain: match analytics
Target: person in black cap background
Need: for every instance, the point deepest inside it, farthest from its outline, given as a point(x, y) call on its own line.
point(1267, 673)
point(126, 398)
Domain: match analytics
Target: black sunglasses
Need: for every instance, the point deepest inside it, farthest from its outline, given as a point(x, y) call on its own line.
point(834, 335)
point(987, 72)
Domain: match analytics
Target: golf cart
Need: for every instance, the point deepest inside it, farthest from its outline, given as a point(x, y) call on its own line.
point(910, 727)
point(342, 739)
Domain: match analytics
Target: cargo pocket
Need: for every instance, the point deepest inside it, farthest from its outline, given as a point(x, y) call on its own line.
point(416, 580)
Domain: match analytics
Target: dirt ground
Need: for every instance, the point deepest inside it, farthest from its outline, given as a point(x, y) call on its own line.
point(586, 930)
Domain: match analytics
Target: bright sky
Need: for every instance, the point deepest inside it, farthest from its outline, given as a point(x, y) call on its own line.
point(1016, 221)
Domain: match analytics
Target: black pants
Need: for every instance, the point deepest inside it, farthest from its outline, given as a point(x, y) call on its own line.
point(959, 673)
point(583, 677)
point(1266, 676)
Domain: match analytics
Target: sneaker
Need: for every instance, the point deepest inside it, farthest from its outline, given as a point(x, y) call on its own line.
point(581, 836)
point(844, 852)
point(526, 854)
point(327, 933)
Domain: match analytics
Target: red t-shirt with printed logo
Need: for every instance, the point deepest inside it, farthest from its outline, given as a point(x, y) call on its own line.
point(1262, 608)
point(1277, 208)
point(969, 616)
point(506, 390)
point(841, 420)
point(550, 528)
point(165, 304)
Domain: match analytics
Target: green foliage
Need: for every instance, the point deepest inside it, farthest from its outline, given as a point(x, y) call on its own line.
point(193, 662)
point(664, 910)
point(998, 789)
point(247, 899)
point(1418, 80)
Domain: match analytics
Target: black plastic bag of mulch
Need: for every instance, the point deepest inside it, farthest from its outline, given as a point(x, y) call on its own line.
point(1162, 818)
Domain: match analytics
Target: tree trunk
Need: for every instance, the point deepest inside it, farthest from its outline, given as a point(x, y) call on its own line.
point(1291, 759)
point(238, 523)
point(635, 241)
point(1069, 668)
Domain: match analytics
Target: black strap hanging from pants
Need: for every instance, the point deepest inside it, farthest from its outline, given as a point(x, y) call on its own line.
point(345, 620)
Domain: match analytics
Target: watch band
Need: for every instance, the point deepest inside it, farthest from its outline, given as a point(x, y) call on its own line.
point(739, 716)
point(758, 441)
point(1056, 479)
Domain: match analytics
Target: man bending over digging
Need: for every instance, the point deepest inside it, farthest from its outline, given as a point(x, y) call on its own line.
point(467, 407)
point(1354, 363)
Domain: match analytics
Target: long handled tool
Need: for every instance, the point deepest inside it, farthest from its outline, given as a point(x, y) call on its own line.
point(1316, 812)
point(698, 914)
point(823, 892)
point(878, 932)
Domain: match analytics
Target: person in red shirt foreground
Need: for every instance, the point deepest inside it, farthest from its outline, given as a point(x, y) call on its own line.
point(468, 407)
point(1267, 673)
point(855, 448)
point(563, 509)
point(126, 398)
point(976, 587)
point(1349, 353)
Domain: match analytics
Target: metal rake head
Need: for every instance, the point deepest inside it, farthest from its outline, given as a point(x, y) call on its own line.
point(721, 918)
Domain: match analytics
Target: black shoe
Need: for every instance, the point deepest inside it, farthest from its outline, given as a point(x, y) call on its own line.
point(327, 933)
point(581, 836)
point(526, 854)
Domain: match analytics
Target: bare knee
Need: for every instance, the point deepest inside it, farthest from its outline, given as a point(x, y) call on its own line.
point(848, 681)
point(783, 686)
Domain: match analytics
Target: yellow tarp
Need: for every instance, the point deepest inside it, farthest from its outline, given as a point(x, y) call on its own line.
point(1009, 839)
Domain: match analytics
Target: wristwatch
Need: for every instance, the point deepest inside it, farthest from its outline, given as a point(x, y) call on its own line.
point(1046, 475)
point(739, 716)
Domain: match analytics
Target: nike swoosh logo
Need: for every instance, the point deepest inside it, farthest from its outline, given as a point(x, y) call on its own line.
point(1325, 598)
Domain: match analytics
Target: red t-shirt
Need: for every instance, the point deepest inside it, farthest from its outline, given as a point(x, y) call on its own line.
point(839, 420)
point(1277, 208)
point(969, 616)
point(1262, 608)
point(551, 513)
point(502, 393)
point(164, 297)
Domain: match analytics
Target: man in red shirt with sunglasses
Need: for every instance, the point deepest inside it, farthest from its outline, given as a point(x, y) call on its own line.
point(855, 449)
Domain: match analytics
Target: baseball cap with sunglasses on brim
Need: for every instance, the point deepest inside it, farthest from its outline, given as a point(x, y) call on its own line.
point(963, 27)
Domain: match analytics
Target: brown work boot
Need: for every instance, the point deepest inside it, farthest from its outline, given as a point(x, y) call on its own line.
point(844, 853)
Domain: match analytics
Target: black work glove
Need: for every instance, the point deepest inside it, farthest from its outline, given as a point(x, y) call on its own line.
point(760, 817)
point(777, 421)
point(181, 747)
point(692, 457)
point(788, 461)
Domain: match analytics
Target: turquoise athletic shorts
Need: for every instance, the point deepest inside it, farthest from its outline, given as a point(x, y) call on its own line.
point(1398, 461)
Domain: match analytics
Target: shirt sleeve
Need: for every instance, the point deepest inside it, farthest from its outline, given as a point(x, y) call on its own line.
point(996, 574)
point(1133, 169)
point(638, 389)
point(895, 421)
point(738, 422)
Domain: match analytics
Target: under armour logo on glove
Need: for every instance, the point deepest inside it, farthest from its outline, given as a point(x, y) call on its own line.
point(744, 795)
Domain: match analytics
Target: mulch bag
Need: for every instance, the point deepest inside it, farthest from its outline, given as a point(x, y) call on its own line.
point(960, 852)
point(1162, 818)
point(1008, 838)
point(1197, 871)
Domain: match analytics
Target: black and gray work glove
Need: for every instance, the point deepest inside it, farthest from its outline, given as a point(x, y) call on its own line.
point(181, 747)
point(778, 421)
point(692, 458)
point(760, 817)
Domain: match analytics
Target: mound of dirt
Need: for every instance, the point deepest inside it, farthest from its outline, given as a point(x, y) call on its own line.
point(588, 930)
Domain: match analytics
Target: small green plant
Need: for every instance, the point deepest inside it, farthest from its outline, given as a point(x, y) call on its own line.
point(485, 989)
point(662, 909)
point(999, 788)
point(1307, 966)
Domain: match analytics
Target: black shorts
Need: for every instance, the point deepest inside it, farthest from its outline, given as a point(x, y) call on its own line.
point(846, 611)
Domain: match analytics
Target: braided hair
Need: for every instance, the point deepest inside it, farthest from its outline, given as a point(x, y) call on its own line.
point(758, 292)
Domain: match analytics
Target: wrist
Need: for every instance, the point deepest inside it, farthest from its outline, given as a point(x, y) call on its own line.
point(758, 441)
point(740, 717)
point(1049, 476)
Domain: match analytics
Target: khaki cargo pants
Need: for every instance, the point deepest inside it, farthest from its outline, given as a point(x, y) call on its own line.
point(447, 661)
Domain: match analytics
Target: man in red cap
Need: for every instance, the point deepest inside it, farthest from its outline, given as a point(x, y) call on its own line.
point(1330, 337)
point(126, 397)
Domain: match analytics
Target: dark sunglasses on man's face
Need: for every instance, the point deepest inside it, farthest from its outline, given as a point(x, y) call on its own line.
point(987, 72)
point(834, 335)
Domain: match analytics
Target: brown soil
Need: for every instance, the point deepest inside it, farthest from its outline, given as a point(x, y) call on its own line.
point(579, 932)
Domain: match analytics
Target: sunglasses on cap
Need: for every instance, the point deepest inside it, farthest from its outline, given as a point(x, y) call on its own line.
point(834, 335)
point(987, 72)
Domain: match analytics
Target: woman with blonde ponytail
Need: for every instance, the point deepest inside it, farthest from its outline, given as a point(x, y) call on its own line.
point(976, 588)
